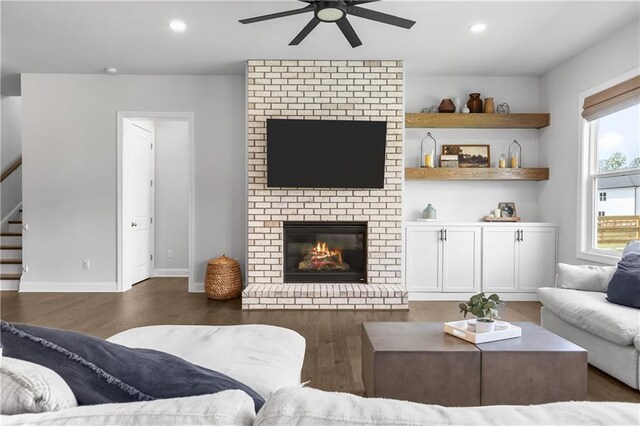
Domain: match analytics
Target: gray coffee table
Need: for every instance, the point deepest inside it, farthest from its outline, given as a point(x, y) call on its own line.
point(419, 362)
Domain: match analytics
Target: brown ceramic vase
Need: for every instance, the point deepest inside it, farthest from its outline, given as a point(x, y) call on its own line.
point(474, 103)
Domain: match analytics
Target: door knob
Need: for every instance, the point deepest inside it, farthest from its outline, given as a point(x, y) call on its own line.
point(133, 224)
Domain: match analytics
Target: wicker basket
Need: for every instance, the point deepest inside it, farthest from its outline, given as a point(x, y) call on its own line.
point(224, 280)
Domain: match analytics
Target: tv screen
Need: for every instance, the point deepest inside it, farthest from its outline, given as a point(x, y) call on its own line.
point(325, 154)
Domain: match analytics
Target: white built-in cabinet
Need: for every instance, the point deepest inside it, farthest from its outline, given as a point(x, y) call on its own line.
point(518, 259)
point(443, 258)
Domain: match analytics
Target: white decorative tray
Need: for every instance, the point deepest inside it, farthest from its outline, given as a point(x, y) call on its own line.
point(465, 330)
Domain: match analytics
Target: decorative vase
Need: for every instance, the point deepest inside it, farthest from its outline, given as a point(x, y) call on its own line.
point(488, 106)
point(485, 326)
point(465, 110)
point(458, 105)
point(447, 106)
point(475, 103)
point(429, 212)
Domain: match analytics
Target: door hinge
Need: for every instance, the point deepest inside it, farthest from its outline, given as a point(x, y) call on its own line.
point(151, 145)
point(151, 219)
point(151, 183)
point(151, 257)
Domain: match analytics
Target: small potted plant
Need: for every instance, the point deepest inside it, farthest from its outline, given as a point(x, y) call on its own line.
point(485, 309)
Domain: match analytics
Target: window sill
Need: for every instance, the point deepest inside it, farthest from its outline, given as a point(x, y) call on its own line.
point(600, 256)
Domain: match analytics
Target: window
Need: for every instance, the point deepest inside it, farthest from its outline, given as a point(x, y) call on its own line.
point(611, 189)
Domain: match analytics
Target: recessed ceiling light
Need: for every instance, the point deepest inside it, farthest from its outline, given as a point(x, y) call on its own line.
point(478, 28)
point(111, 70)
point(177, 26)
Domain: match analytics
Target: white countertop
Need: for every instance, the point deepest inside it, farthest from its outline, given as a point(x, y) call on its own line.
point(478, 223)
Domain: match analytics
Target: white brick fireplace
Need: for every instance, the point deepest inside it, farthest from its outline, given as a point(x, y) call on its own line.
point(331, 90)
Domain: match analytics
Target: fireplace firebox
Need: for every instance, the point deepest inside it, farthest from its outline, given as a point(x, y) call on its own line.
point(325, 252)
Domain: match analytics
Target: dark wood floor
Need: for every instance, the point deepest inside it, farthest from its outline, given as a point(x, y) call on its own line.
point(332, 360)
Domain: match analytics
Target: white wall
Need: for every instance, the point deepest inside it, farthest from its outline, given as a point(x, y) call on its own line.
point(560, 143)
point(171, 219)
point(11, 150)
point(465, 200)
point(69, 173)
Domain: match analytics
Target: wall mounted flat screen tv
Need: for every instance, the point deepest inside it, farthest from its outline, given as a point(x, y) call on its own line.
point(325, 153)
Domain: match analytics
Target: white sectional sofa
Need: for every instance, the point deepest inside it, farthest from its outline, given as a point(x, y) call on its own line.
point(269, 359)
point(578, 310)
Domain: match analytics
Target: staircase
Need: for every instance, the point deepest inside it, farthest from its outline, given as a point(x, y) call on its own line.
point(11, 254)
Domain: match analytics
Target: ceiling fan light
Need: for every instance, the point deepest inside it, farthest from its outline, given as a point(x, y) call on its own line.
point(330, 14)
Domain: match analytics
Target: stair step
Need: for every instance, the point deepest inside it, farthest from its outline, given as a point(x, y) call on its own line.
point(10, 261)
point(10, 277)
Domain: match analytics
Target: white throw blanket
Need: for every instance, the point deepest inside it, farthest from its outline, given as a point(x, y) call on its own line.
point(306, 406)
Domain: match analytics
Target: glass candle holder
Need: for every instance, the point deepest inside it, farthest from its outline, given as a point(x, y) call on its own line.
point(515, 155)
point(428, 151)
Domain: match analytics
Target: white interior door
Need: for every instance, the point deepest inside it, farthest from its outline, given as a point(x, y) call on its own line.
point(461, 259)
point(137, 179)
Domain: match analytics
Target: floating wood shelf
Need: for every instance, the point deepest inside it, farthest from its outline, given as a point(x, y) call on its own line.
point(477, 121)
point(452, 173)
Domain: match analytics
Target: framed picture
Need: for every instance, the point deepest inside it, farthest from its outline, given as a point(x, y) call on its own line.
point(507, 209)
point(469, 155)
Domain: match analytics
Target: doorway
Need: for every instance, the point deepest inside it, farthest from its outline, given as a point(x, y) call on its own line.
point(155, 197)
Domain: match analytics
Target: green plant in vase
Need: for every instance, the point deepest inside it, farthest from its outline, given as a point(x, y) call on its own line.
point(485, 309)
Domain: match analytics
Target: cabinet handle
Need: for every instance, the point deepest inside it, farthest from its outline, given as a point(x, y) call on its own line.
point(521, 235)
point(441, 234)
point(445, 235)
point(518, 235)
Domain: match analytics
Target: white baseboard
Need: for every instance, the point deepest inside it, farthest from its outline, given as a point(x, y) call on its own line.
point(176, 272)
point(196, 288)
point(9, 285)
point(463, 297)
point(67, 287)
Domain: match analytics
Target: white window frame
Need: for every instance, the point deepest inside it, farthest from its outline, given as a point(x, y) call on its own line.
point(588, 194)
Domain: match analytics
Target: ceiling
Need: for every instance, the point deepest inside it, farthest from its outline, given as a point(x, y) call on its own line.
point(522, 38)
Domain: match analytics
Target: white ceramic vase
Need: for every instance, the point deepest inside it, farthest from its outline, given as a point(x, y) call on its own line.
point(485, 327)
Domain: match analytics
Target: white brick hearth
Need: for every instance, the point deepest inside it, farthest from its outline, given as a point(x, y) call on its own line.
point(331, 90)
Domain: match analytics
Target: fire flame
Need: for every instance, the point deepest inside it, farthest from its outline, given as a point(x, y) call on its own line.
point(322, 250)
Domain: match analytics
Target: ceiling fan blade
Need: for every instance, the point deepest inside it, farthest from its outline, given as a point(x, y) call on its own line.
point(355, 3)
point(277, 15)
point(305, 31)
point(349, 32)
point(379, 17)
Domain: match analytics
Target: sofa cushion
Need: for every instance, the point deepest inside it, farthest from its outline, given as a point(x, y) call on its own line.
point(231, 407)
point(265, 357)
point(584, 277)
point(101, 372)
point(26, 387)
point(624, 288)
point(306, 406)
point(592, 312)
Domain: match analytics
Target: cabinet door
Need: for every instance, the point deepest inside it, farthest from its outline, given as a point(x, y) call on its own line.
point(536, 258)
point(461, 259)
point(499, 259)
point(423, 254)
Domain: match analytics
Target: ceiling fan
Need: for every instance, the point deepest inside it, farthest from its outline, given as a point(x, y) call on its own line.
point(335, 11)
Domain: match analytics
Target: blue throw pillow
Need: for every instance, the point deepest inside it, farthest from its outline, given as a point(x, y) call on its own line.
point(633, 246)
point(101, 372)
point(624, 287)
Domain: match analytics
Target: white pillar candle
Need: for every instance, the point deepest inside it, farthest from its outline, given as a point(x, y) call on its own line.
point(497, 213)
